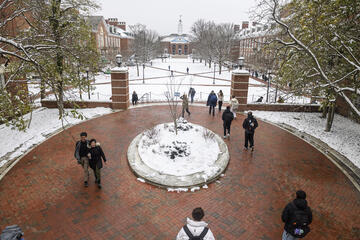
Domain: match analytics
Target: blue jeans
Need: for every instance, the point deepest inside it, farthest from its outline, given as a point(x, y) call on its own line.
point(287, 236)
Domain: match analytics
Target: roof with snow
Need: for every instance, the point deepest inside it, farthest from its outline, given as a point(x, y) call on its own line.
point(176, 38)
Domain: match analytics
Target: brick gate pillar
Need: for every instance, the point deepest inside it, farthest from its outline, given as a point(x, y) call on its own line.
point(120, 88)
point(239, 87)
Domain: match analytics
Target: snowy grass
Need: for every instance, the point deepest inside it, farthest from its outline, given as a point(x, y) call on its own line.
point(344, 136)
point(154, 89)
point(44, 123)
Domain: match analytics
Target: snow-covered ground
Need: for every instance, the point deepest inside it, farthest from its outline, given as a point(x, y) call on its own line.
point(186, 153)
point(154, 89)
point(44, 122)
point(344, 136)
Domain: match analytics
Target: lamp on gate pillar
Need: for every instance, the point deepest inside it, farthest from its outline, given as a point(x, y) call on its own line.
point(268, 86)
point(119, 60)
point(241, 62)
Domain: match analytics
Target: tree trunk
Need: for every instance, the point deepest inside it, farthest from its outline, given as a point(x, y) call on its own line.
point(324, 111)
point(209, 63)
point(137, 68)
point(330, 117)
point(220, 66)
point(42, 89)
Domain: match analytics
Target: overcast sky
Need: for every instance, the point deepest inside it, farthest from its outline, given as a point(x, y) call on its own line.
point(163, 15)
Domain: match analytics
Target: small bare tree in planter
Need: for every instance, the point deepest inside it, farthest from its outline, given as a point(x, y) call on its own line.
point(171, 98)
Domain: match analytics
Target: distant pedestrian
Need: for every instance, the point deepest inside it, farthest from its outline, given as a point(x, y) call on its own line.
point(81, 155)
point(297, 217)
point(185, 104)
point(134, 98)
point(187, 70)
point(192, 94)
point(195, 229)
point(211, 102)
point(172, 73)
point(220, 99)
point(150, 63)
point(234, 104)
point(250, 124)
point(260, 99)
point(193, 60)
point(169, 67)
point(96, 156)
point(227, 118)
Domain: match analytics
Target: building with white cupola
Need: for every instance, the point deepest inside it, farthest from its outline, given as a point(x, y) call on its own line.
point(177, 44)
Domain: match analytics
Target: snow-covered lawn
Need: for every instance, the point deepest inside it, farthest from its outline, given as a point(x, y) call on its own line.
point(183, 154)
point(155, 88)
point(44, 122)
point(344, 136)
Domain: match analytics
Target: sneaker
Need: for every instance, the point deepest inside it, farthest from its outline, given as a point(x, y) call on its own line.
point(224, 137)
point(99, 186)
point(252, 149)
point(86, 184)
point(245, 148)
point(228, 134)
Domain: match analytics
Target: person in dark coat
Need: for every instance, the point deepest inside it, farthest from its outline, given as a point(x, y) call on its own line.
point(227, 118)
point(81, 155)
point(294, 213)
point(192, 94)
point(187, 70)
point(211, 102)
point(250, 124)
point(134, 98)
point(96, 155)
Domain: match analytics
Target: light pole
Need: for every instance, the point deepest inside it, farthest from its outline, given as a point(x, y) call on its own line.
point(87, 79)
point(214, 73)
point(241, 62)
point(118, 59)
point(143, 72)
point(268, 86)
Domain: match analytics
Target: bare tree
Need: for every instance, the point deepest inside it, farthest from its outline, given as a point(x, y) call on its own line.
point(325, 60)
point(173, 89)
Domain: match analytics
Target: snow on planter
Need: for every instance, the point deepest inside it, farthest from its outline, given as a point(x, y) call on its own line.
point(192, 157)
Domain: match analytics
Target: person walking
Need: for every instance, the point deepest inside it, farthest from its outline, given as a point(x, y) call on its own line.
point(297, 217)
point(192, 94)
point(172, 73)
point(169, 67)
point(187, 70)
point(134, 98)
point(185, 104)
point(250, 124)
point(234, 104)
point(195, 229)
point(81, 155)
point(227, 118)
point(96, 155)
point(220, 99)
point(211, 102)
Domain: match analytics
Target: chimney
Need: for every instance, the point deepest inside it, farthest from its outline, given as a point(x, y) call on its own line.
point(245, 24)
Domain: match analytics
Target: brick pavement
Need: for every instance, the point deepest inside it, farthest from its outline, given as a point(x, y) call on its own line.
point(44, 192)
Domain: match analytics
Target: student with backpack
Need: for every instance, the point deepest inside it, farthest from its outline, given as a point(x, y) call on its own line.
point(196, 229)
point(297, 217)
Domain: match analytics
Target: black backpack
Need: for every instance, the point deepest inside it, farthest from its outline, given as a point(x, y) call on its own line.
point(192, 237)
point(299, 223)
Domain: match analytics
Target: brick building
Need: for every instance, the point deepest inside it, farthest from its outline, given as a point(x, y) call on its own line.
point(177, 43)
point(111, 37)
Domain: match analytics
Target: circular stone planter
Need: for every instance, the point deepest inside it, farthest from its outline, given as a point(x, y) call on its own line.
point(164, 180)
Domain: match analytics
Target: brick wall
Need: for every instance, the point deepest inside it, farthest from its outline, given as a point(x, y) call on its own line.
point(281, 107)
point(52, 104)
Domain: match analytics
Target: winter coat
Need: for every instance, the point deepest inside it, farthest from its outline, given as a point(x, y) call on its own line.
point(192, 92)
point(196, 229)
point(77, 149)
point(220, 97)
point(185, 102)
point(134, 97)
point(289, 211)
point(250, 124)
point(227, 116)
point(234, 104)
point(212, 100)
point(96, 154)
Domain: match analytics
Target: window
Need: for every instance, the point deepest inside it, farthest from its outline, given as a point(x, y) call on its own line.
point(186, 49)
point(173, 49)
